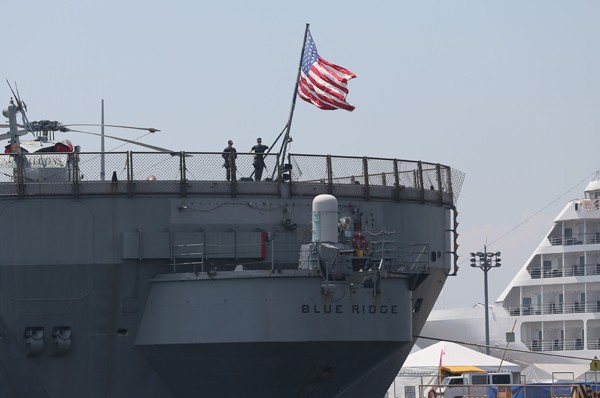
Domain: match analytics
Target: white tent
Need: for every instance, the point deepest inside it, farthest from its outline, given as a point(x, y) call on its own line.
point(564, 372)
point(456, 355)
point(422, 367)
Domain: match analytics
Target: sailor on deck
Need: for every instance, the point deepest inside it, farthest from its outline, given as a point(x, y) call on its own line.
point(259, 158)
point(229, 154)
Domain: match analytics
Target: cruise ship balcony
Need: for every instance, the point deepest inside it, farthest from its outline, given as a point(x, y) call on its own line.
point(555, 308)
point(555, 345)
point(594, 345)
point(569, 270)
point(564, 240)
point(575, 344)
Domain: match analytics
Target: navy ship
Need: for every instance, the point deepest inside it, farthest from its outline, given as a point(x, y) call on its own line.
point(166, 280)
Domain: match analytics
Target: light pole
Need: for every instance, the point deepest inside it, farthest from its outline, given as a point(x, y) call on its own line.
point(485, 261)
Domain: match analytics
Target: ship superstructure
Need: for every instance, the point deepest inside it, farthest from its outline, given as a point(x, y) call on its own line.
point(551, 308)
point(166, 280)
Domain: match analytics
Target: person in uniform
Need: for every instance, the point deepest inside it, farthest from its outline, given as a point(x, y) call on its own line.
point(259, 158)
point(229, 154)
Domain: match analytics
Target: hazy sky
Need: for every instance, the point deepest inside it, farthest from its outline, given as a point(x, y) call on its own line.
point(505, 91)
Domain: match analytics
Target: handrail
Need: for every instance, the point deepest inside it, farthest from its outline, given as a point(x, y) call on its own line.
point(74, 174)
point(589, 238)
point(567, 270)
point(555, 308)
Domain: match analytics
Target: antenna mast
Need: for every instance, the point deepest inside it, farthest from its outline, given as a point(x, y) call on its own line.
point(11, 114)
point(102, 164)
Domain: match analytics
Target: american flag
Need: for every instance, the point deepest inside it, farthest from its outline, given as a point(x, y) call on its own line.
point(322, 83)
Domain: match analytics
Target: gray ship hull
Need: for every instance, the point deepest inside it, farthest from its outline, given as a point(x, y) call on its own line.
point(303, 342)
point(181, 288)
point(311, 372)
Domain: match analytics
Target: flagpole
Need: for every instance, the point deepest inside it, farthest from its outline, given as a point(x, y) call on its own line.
point(102, 160)
point(442, 353)
point(289, 123)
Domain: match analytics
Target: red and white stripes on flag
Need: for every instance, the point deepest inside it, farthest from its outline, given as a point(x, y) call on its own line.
point(322, 83)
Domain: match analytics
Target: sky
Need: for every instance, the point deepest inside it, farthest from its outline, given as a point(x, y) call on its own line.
point(505, 91)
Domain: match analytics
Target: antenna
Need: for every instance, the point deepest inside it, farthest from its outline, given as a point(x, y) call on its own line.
point(102, 160)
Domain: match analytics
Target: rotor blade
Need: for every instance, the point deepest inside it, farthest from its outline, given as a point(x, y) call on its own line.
point(7, 135)
point(156, 148)
point(16, 95)
point(19, 95)
point(13, 92)
point(150, 129)
point(20, 105)
point(17, 90)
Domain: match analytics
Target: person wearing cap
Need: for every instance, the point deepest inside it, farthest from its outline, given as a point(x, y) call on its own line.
point(229, 154)
point(259, 158)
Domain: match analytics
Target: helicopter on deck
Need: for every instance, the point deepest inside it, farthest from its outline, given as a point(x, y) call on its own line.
point(44, 158)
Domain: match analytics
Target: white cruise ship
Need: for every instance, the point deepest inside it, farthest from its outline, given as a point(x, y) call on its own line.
point(552, 306)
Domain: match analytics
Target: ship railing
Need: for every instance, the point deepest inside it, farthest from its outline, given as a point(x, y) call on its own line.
point(189, 251)
point(574, 308)
point(385, 254)
point(552, 308)
point(555, 345)
point(578, 239)
point(574, 270)
point(581, 307)
point(404, 258)
point(591, 306)
point(559, 344)
point(594, 345)
point(566, 271)
point(382, 250)
point(138, 173)
point(592, 269)
point(533, 309)
point(196, 255)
